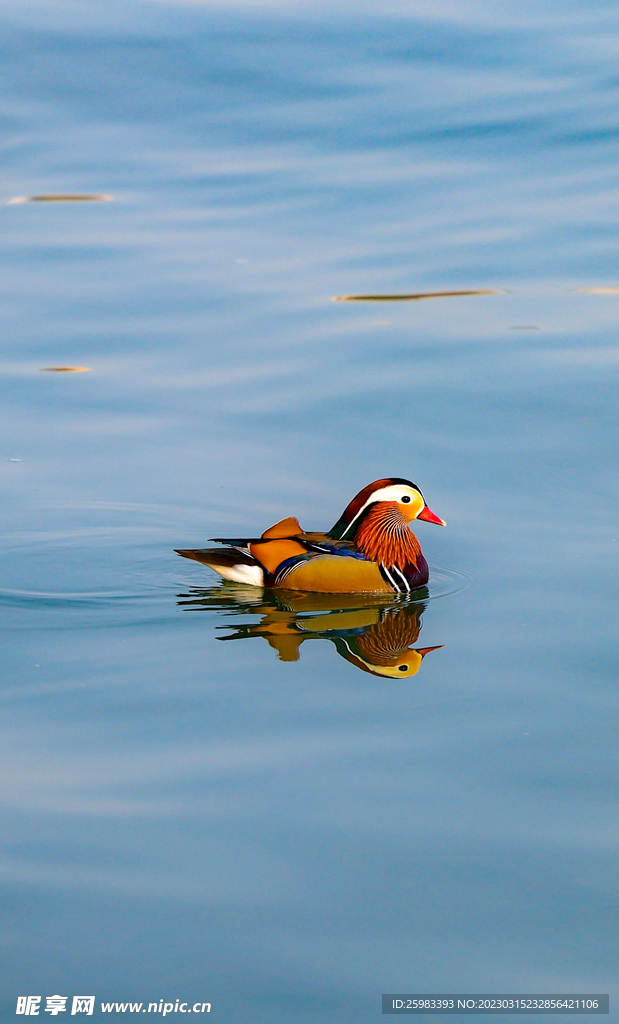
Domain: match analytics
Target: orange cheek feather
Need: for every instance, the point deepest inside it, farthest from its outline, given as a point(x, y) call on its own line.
point(384, 537)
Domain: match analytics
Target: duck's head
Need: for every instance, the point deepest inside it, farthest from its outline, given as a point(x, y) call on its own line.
point(395, 494)
point(400, 665)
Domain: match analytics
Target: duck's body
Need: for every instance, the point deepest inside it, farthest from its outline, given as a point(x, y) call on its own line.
point(369, 550)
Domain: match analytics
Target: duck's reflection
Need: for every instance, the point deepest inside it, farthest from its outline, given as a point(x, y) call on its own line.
point(375, 634)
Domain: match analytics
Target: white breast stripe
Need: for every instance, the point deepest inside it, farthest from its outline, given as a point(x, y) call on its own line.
point(407, 588)
point(385, 572)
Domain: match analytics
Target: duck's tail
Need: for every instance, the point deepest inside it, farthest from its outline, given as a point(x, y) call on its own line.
point(230, 563)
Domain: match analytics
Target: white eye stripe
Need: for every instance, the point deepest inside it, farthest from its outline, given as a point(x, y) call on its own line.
point(391, 493)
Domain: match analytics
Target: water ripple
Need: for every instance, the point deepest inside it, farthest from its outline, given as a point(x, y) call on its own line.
point(446, 581)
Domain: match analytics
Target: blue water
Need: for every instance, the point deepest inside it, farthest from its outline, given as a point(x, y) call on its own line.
point(186, 818)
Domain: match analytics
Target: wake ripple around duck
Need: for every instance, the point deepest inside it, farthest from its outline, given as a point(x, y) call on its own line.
point(119, 567)
point(72, 570)
point(446, 581)
point(218, 595)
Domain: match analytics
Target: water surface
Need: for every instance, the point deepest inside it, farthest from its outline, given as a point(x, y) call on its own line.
point(287, 838)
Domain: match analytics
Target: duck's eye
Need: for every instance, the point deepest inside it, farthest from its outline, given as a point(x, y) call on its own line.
point(405, 500)
point(403, 668)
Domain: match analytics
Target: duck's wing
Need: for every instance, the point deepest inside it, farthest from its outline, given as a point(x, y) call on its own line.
point(260, 560)
point(284, 529)
point(325, 544)
point(247, 559)
point(290, 529)
point(235, 542)
point(224, 556)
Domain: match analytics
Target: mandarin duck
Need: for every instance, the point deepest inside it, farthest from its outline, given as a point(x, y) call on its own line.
point(372, 633)
point(370, 549)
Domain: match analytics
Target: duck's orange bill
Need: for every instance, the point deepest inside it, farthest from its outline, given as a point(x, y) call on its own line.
point(429, 517)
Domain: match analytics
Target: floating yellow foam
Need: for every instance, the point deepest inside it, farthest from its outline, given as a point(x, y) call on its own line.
point(62, 197)
point(67, 369)
point(597, 291)
point(415, 296)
